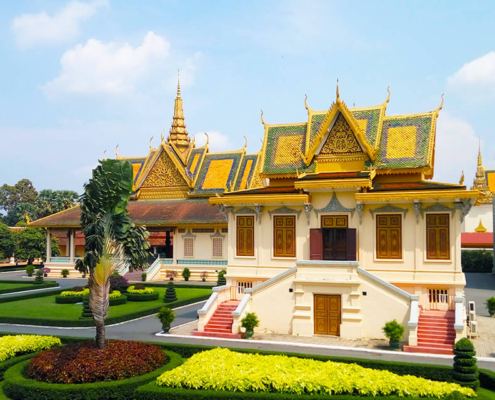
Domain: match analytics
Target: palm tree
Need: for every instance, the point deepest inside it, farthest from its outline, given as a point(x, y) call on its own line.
point(111, 236)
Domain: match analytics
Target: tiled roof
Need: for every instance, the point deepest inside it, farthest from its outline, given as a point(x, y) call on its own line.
point(337, 175)
point(406, 142)
point(217, 173)
point(369, 121)
point(195, 160)
point(149, 213)
point(422, 185)
point(282, 149)
point(477, 240)
point(267, 190)
point(246, 172)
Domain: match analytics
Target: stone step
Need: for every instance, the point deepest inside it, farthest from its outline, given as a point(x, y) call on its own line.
point(429, 349)
point(218, 335)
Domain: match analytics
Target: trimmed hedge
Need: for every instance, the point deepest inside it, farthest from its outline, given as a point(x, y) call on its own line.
point(4, 366)
point(68, 299)
point(181, 286)
point(153, 392)
point(487, 379)
point(44, 285)
point(18, 387)
point(88, 322)
point(26, 296)
point(142, 297)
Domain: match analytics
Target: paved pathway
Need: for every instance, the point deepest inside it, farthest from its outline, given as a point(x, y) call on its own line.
point(480, 287)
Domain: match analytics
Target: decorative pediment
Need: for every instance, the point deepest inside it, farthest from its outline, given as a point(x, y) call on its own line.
point(389, 209)
point(437, 207)
point(334, 206)
point(340, 140)
point(284, 210)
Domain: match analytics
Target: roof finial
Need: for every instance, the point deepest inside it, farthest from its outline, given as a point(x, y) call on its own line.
point(178, 83)
point(480, 159)
point(117, 151)
point(354, 104)
point(306, 101)
point(151, 146)
point(194, 141)
point(388, 96)
point(162, 135)
point(207, 139)
point(245, 144)
point(461, 181)
point(441, 105)
point(262, 120)
point(338, 95)
point(104, 155)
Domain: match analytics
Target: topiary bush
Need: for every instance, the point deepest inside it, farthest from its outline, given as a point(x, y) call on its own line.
point(221, 281)
point(465, 371)
point(38, 280)
point(170, 294)
point(490, 306)
point(84, 363)
point(118, 282)
point(186, 274)
point(30, 270)
point(86, 312)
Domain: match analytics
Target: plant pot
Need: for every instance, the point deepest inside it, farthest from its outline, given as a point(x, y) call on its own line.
point(29, 275)
point(45, 275)
point(204, 279)
point(186, 279)
point(65, 276)
point(166, 329)
point(84, 275)
point(249, 333)
point(394, 344)
point(143, 279)
point(171, 279)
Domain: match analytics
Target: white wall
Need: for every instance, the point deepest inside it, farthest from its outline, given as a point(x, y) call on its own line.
point(483, 213)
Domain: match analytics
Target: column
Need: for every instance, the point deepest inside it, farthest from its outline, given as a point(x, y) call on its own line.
point(67, 244)
point(48, 245)
point(72, 250)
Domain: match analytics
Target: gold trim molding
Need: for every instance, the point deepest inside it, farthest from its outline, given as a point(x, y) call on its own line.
point(416, 195)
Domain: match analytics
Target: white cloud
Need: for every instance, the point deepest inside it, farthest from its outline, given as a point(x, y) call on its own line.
point(218, 141)
point(112, 68)
point(477, 76)
point(456, 150)
point(62, 26)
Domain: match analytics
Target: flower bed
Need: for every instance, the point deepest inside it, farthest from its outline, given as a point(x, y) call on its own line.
point(12, 346)
point(72, 296)
point(19, 387)
point(84, 363)
point(237, 372)
point(141, 293)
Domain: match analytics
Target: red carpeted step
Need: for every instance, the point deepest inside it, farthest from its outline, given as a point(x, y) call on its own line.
point(220, 323)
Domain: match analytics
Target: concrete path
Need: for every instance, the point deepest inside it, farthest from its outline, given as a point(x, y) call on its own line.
point(480, 287)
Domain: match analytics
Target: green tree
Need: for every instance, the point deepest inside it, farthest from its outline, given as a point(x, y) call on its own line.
point(18, 214)
point(22, 192)
point(110, 235)
point(31, 244)
point(53, 201)
point(7, 242)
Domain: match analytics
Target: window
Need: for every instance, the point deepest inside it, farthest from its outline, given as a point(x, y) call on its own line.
point(245, 236)
point(284, 236)
point(188, 247)
point(437, 237)
point(217, 247)
point(389, 236)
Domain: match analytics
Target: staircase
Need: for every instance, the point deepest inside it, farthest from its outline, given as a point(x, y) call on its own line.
point(134, 276)
point(436, 333)
point(220, 323)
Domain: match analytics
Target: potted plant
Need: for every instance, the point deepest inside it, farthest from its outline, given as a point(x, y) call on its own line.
point(490, 305)
point(39, 277)
point(186, 274)
point(144, 275)
point(30, 270)
point(83, 275)
point(172, 274)
point(166, 317)
point(393, 331)
point(65, 273)
point(250, 321)
point(204, 274)
point(46, 271)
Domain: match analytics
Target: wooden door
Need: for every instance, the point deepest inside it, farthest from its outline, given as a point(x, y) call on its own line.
point(315, 244)
point(327, 313)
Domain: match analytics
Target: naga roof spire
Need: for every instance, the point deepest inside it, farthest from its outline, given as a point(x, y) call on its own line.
point(178, 134)
point(479, 183)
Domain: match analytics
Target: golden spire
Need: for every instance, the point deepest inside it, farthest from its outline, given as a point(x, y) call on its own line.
point(338, 94)
point(178, 134)
point(479, 182)
point(480, 228)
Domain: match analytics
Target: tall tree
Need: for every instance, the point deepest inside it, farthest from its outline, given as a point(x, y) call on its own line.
point(7, 242)
point(53, 201)
point(19, 212)
point(31, 244)
point(22, 192)
point(110, 235)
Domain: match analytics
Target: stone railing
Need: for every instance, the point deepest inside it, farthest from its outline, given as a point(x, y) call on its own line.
point(219, 295)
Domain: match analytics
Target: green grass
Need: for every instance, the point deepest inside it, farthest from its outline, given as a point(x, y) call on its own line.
point(6, 286)
point(46, 308)
point(485, 394)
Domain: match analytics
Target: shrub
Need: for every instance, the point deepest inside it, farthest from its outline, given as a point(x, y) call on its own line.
point(30, 270)
point(144, 275)
point(140, 289)
point(170, 294)
point(65, 273)
point(118, 300)
point(166, 316)
point(465, 374)
point(84, 363)
point(222, 369)
point(86, 311)
point(222, 272)
point(250, 321)
point(204, 275)
point(477, 261)
point(76, 292)
point(115, 294)
point(221, 281)
point(12, 346)
point(46, 270)
point(186, 273)
point(490, 305)
point(39, 277)
point(118, 282)
point(393, 330)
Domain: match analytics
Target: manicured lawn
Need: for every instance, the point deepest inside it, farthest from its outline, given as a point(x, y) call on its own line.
point(19, 286)
point(7, 286)
point(46, 308)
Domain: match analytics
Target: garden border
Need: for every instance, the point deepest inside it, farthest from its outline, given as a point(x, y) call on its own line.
point(34, 286)
point(18, 387)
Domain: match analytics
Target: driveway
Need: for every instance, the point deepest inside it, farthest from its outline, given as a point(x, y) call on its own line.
point(480, 287)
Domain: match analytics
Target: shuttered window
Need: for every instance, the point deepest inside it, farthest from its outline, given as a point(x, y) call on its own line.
point(389, 236)
point(188, 247)
point(245, 236)
point(284, 236)
point(437, 237)
point(217, 247)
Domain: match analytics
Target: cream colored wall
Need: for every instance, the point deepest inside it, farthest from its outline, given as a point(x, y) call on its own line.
point(483, 213)
point(203, 245)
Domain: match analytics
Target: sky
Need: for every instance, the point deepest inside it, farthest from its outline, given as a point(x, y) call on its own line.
point(79, 78)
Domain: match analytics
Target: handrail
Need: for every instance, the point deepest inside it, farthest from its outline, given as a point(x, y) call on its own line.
point(414, 314)
point(271, 280)
point(388, 285)
point(241, 306)
point(459, 308)
point(124, 267)
point(154, 268)
point(209, 303)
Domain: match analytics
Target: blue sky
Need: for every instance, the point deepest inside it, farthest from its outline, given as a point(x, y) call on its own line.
point(80, 77)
